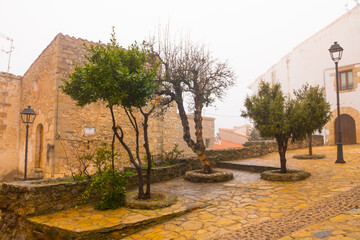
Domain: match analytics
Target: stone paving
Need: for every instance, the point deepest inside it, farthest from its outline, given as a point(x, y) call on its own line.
point(322, 206)
point(85, 221)
point(343, 226)
point(250, 208)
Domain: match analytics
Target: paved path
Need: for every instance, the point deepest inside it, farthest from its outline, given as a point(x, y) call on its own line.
point(250, 208)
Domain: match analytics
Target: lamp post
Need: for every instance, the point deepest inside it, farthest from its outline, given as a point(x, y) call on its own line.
point(27, 116)
point(336, 53)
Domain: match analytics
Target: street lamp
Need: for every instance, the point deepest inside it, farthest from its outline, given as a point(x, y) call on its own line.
point(27, 116)
point(336, 53)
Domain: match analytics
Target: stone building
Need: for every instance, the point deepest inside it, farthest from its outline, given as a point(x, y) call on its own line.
point(61, 131)
point(310, 62)
point(234, 137)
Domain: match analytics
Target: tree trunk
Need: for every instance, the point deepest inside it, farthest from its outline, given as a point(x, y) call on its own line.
point(141, 194)
point(148, 156)
point(113, 155)
point(197, 147)
point(199, 138)
point(282, 162)
point(138, 167)
point(310, 144)
point(282, 146)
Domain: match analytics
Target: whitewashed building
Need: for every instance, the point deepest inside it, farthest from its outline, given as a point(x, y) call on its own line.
point(310, 62)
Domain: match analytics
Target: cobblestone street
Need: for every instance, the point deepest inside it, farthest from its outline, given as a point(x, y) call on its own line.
point(323, 206)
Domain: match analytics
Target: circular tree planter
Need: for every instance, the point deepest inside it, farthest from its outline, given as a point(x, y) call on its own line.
point(307, 156)
point(290, 176)
point(216, 176)
point(158, 200)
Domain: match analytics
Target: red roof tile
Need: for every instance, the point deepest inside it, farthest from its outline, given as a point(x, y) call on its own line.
point(227, 144)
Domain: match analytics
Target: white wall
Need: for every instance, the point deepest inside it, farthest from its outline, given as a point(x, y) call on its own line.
point(308, 61)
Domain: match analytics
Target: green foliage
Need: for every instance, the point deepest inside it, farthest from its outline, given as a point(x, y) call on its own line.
point(103, 157)
point(113, 74)
point(78, 177)
point(315, 109)
point(119, 77)
point(254, 135)
point(109, 187)
point(170, 157)
point(84, 157)
point(275, 117)
point(144, 166)
point(129, 173)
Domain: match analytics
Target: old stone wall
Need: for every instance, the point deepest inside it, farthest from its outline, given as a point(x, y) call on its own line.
point(40, 92)
point(10, 93)
point(172, 132)
point(164, 131)
point(57, 137)
point(237, 153)
point(258, 148)
point(19, 200)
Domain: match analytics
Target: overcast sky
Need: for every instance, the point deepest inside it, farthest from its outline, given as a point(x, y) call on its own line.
point(252, 35)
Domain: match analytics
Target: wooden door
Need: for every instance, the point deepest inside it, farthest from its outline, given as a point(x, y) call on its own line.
point(348, 129)
point(39, 146)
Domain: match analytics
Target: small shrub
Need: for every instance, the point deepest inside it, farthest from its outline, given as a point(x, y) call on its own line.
point(145, 166)
point(84, 156)
point(129, 173)
point(103, 157)
point(109, 187)
point(171, 156)
point(78, 177)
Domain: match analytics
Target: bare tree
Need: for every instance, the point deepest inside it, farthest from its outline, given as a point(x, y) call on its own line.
point(190, 72)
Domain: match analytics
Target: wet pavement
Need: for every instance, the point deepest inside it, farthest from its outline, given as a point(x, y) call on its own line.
point(250, 208)
point(324, 206)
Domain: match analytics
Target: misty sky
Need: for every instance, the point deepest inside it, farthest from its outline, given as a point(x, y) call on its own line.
point(252, 35)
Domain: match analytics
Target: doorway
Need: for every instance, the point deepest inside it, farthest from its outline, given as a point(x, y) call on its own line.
point(39, 146)
point(347, 128)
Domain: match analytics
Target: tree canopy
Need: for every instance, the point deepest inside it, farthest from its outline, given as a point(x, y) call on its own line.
point(275, 117)
point(114, 75)
point(315, 110)
point(190, 72)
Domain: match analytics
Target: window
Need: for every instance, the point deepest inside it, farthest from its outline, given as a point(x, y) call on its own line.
point(36, 84)
point(346, 80)
point(207, 142)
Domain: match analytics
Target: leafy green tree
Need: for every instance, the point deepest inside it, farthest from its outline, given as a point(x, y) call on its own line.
point(121, 78)
point(315, 110)
point(275, 117)
point(190, 72)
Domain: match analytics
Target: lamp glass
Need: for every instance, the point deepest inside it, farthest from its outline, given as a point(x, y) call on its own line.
point(336, 52)
point(28, 115)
